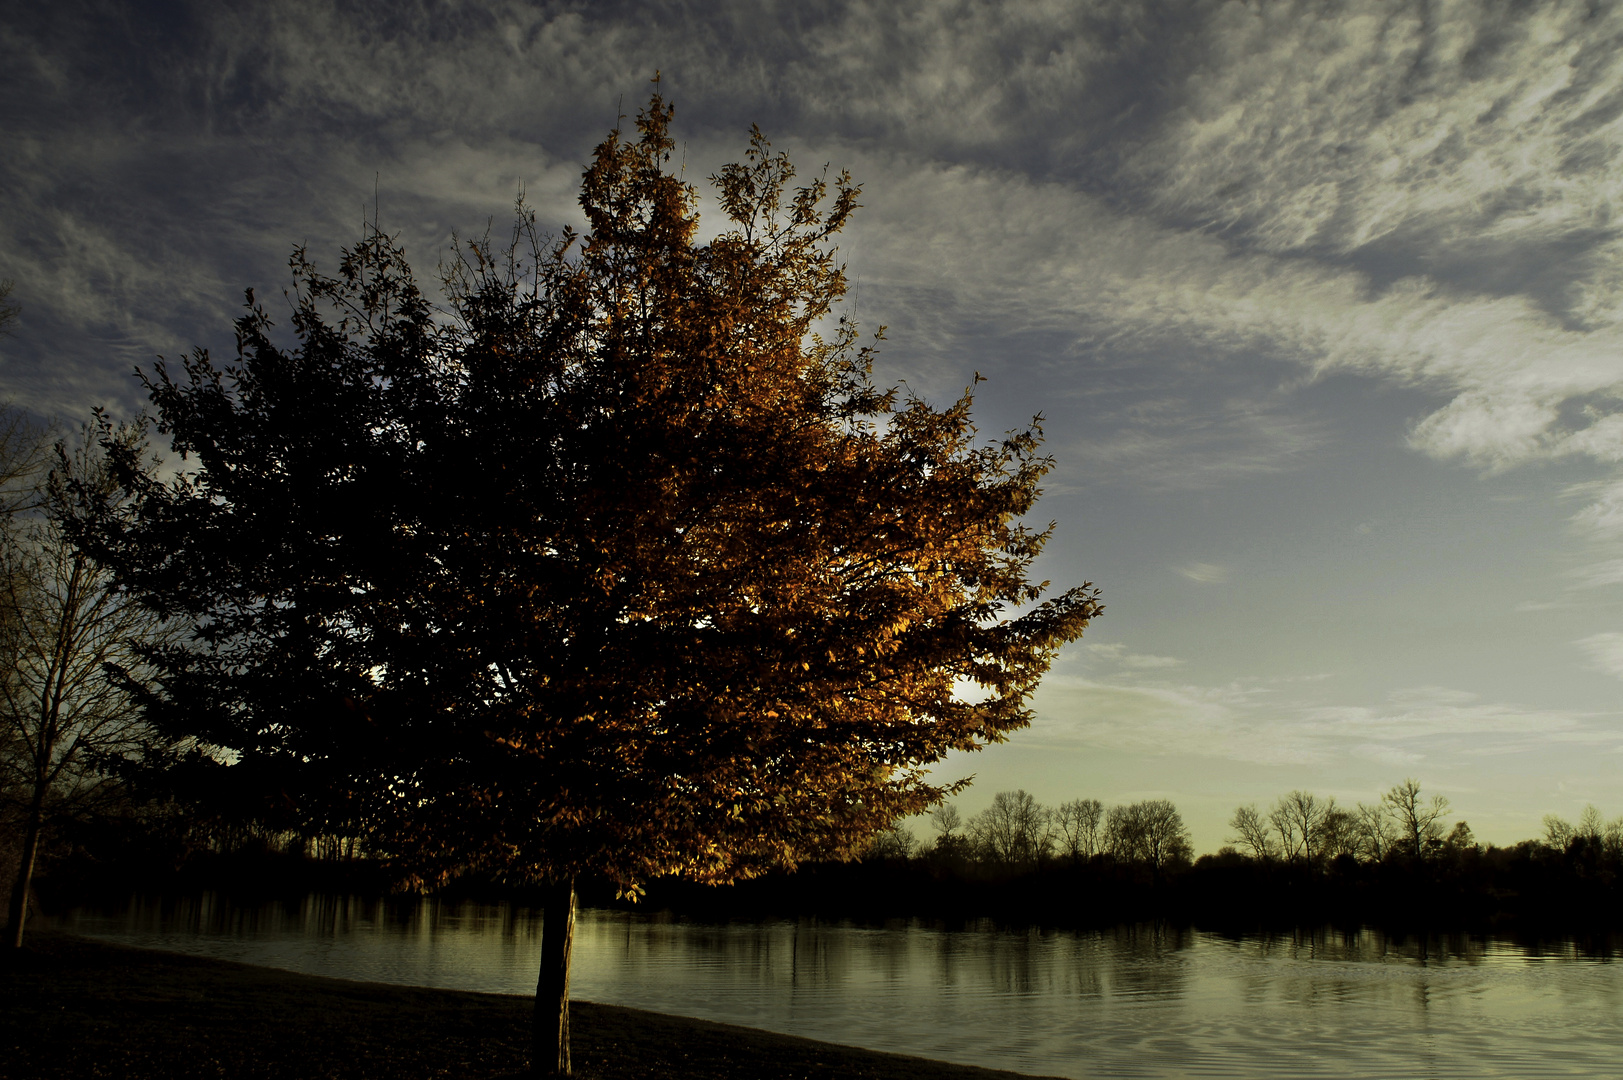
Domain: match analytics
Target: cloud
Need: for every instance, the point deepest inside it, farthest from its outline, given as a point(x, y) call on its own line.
point(1470, 124)
point(1189, 441)
point(1605, 652)
point(1464, 163)
point(1117, 654)
point(1251, 720)
point(1227, 193)
point(1149, 662)
point(1528, 606)
point(1602, 518)
point(1219, 722)
point(1518, 384)
point(1424, 721)
point(1325, 189)
point(1598, 575)
point(1203, 573)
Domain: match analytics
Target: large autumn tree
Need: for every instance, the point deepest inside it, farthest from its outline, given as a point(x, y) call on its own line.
point(619, 565)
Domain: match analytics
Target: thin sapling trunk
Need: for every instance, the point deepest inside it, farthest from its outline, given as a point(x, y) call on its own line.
point(17, 911)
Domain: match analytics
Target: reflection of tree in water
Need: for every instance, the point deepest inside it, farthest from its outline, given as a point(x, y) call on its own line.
point(985, 960)
point(1332, 968)
point(1012, 968)
point(1364, 945)
point(1083, 963)
point(1596, 945)
point(888, 953)
point(820, 956)
point(211, 913)
point(1137, 961)
point(1144, 960)
point(802, 954)
point(982, 958)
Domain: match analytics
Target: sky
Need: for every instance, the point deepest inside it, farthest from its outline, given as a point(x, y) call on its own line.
point(1321, 303)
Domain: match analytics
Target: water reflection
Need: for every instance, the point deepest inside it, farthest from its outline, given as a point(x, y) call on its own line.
point(1137, 1001)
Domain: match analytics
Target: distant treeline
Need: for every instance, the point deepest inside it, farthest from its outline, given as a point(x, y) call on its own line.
point(1301, 829)
point(1017, 833)
point(1398, 863)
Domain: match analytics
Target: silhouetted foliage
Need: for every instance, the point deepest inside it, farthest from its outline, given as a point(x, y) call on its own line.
point(622, 568)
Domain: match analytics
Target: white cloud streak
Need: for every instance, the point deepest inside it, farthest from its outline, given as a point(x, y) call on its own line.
point(1605, 652)
point(1203, 573)
point(1340, 127)
point(1117, 654)
point(1256, 721)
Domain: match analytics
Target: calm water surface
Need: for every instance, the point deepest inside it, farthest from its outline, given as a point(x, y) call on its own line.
point(1132, 1002)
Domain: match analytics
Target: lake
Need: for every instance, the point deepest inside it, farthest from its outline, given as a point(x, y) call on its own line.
point(1135, 1001)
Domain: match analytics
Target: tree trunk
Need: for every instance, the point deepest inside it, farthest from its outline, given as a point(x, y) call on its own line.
point(17, 912)
point(551, 1032)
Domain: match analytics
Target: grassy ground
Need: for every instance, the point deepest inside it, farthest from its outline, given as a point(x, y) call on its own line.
point(74, 1008)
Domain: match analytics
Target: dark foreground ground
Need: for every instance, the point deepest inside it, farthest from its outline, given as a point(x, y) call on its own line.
point(74, 1008)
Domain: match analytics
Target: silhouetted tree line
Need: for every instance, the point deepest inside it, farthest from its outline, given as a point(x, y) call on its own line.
point(1016, 834)
point(1303, 828)
point(1398, 862)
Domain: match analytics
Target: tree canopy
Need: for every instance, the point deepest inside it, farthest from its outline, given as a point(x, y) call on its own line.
point(620, 563)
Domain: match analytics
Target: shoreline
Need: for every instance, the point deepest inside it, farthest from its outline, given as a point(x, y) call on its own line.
point(77, 1007)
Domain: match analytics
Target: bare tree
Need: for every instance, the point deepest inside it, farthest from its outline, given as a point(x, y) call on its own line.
point(1558, 832)
point(896, 844)
point(953, 840)
point(1150, 832)
point(1419, 822)
point(948, 825)
point(1013, 830)
point(24, 454)
point(63, 712)
point(1374, 831)
point(1290, 836)
point(1253, 831)
point(1301, 815)
point(1123, 838)
point(1077, 825)
point(1338, 833)
point(1166, 840)
point(1591, 826)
